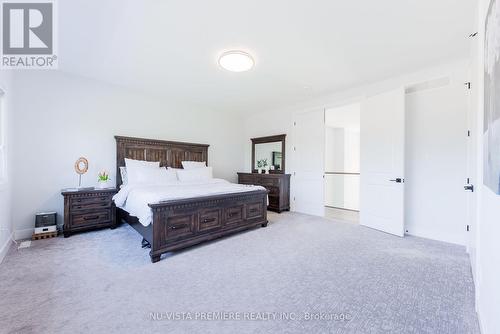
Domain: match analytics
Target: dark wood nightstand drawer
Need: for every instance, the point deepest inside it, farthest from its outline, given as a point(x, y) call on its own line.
point(91, 205)
point(89, 199)
point(91, 218)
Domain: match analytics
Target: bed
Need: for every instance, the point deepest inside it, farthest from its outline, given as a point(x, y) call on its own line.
point(194, 217)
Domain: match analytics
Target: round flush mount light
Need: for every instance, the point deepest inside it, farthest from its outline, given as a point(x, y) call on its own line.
point(236, 61)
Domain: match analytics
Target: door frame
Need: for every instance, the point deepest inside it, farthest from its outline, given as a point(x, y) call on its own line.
point(472, 167)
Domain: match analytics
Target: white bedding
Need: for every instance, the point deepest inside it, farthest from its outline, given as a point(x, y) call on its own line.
point(135, 198)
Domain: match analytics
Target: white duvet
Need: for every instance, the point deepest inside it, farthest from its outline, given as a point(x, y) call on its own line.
point(135, 198)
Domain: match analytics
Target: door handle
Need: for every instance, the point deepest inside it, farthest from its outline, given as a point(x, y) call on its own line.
point(469, 187)
point(398, 180)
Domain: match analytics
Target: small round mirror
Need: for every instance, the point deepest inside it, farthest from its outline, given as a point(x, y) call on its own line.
point(81, 166)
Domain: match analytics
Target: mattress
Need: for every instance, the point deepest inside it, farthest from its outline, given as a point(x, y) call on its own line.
point(135, 198)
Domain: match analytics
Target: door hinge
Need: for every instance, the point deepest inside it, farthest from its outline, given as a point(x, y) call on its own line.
point(294, 123)
point(468, 228)
point(468, 133)
point(294, 148)
point(468, 85)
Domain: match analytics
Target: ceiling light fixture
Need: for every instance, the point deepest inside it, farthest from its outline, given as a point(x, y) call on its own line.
point(236, 61)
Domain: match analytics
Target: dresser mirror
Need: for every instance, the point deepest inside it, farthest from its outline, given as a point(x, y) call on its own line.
point(268, 154)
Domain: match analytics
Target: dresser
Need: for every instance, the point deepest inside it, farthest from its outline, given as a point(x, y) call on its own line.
point(88, 209)
point(277, 184)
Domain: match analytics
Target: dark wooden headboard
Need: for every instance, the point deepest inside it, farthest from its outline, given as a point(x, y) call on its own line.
point(168, 153)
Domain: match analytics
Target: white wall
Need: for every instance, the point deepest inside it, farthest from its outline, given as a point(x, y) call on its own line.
point(60, 117)
point(342, 150)
point(5, 184)
point(334, 149)
point(486, 245)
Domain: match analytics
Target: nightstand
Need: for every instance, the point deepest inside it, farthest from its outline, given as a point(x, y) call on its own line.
point(88, 209)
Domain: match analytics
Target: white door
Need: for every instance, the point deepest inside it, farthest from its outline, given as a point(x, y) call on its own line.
point(436, 163)
point(382, 146)
point(307, 179)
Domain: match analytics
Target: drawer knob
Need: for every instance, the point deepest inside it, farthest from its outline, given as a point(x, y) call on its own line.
point(177, 227)
point(208, 220)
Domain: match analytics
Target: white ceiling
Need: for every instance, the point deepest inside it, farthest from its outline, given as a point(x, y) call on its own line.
point(303, 49)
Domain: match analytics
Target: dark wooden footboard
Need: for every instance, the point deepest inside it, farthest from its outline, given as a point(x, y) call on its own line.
point(182, 223)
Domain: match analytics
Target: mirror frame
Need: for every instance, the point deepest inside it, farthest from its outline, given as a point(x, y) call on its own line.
point(270, 139)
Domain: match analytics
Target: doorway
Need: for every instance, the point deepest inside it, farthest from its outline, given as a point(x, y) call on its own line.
point(342, 157)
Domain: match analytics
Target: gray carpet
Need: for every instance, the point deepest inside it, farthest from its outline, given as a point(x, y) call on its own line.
point(301, 274)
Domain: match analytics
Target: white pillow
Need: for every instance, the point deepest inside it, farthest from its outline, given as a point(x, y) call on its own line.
point(197, 174)
point(123, 173)
point(193, 164)
point(161, 176)
point(135, 169)
point(133, 163)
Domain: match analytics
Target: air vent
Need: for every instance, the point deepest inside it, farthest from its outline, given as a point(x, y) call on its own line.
point(426, 85)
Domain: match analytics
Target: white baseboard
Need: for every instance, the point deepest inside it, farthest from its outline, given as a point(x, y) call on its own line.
point(26, 233)
point(5, 247)
point(426, 236)
point(481, 329)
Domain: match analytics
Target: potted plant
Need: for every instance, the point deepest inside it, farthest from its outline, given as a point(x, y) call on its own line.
point(103, 179)
point(265, 165)
point(259, 166)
